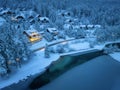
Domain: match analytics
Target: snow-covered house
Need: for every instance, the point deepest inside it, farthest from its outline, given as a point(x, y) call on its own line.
point(53, 31)
point(83, 26)
point(27, 15)
point(44, 20)
point(64, 13)
point(20, 16)
point(33, 35)
point(90, 26)
point(14, 19)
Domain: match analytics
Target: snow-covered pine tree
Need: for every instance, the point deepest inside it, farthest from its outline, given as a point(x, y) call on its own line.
point(47, 52)
point(13, 46)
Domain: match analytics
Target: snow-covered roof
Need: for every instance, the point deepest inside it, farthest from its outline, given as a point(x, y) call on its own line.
point(82, 26)
point(76, 26)
point(90, 26)
point(44, 18)
point(26, 14)
point(64, 12)
point(66, 26)
point(38, 16)
point(69, 20)
point(31, 32)
point(6, 11)
point(21, 15)
point(52, 30)
point(97, 26)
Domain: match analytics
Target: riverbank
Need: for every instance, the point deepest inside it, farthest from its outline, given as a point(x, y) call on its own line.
point(37, 65)
point(101, 73)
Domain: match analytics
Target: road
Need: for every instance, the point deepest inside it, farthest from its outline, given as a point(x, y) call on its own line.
point(53, 44)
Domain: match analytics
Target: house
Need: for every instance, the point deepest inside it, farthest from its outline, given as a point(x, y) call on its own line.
point(44, 20)
point(53, 31)
point(20, 17)
point(69, 20)
point(83, 26)
point(33, 35)
point(64, 13)
point(90, 26)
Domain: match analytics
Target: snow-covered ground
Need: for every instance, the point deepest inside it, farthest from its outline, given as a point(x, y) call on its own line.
point(38, 44)
point(116, 56)
point(79, 46)
point(37, 64)
point(42, 43)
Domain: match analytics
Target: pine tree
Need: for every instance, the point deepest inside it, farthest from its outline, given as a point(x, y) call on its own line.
point(47, 52)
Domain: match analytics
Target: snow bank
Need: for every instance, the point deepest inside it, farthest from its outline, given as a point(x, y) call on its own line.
point(79, 46)
point(116, 56)
point(37, 64)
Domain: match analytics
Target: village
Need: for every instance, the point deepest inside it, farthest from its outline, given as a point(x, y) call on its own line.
point(49, 40)
point(40, 29)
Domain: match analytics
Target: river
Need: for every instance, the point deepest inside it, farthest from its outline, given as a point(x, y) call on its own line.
point(64, 64)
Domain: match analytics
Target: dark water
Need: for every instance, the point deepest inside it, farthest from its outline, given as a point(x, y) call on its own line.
point(100, 73)
point(53, 71)
point(60, 66)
